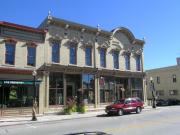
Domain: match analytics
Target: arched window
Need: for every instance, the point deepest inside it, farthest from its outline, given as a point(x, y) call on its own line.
point(116, 59)
point(55, 52)
point(88, 56)
point(127, 61)
point(103, 57)
point(138, 62)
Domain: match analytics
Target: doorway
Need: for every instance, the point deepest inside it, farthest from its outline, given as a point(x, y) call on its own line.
point(119, 91)
point(70, 90)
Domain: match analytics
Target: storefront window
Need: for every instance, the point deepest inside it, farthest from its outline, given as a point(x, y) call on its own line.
point(56, 89)
point(88, 87)
point(136, 83)
point(106, 89)
point(137, 87)
point(17, 95)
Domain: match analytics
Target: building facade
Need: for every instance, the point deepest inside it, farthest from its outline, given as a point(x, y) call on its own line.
point(72, 61)
point(166, 82)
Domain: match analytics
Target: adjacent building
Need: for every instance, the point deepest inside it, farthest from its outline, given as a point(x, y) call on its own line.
point(72, 61)
point(166, 82)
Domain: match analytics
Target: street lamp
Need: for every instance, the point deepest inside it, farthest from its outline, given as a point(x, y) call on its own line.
point(34, 118)
point(152, 88)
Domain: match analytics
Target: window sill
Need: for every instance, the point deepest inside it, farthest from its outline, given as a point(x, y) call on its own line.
point(8, 65)
point(88, 66)
point(55, 63)
point(29, 67)
point(75, 65)
point(117, 69)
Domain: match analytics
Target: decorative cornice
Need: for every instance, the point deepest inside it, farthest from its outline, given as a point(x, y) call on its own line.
point(21, 27)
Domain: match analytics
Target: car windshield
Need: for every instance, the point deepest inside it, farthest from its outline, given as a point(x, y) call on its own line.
point(119, 101)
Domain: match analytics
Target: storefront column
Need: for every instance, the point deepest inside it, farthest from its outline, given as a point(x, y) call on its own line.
point(144, 91)
point(46, 99)
point(129, 85)
point(41, 95)
point(64, 90)
point(97, 94)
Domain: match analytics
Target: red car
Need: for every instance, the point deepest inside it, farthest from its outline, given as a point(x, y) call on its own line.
point(125, 106)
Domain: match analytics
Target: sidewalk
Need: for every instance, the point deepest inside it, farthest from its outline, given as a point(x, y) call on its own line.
point(9, 121)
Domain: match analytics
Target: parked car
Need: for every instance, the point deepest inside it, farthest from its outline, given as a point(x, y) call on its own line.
point(161, 102)
point(173, 102)
point(125, 106)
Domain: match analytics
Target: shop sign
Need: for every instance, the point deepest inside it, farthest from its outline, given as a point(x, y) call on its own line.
point(19, 82)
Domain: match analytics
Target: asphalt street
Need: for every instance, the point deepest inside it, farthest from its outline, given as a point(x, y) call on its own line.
point(160, 121)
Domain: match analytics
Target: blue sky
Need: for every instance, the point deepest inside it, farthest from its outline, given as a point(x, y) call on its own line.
point(156, 20)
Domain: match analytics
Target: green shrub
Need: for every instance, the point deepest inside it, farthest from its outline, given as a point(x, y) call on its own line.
point(82, 108)
point(70, 106)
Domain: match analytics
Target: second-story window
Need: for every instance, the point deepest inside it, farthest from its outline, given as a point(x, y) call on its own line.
point(88, 56)
point(10, 54)
point(102, 57)
point(158, 80)
point(31, 55)
point(138, 63)
point(174, 78)
point(116, 59)
point(55, 53)
point(73, 54)
point(127, 61)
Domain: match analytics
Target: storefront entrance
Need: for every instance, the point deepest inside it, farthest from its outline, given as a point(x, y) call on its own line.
point(70, 90)
point(16, 97)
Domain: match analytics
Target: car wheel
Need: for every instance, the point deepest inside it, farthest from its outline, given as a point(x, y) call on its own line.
point(120, 112)
point(138, 109)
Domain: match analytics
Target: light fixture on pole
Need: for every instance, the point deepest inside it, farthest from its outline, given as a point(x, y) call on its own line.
point(34, 118)
point(152, 88)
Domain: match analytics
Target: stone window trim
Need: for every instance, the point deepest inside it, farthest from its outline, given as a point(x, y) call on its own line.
point(53, 40)
point(126, 52)
point(73, 42)
point(115, 50)
point(12, 41)
point(31, 44)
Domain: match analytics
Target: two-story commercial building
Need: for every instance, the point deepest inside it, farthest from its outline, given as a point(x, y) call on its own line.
point(166, 82)
point(72, 61)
